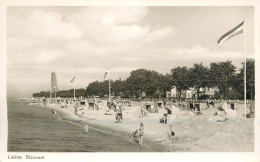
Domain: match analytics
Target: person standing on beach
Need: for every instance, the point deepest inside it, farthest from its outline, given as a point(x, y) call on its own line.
point(54, 113)
point(141, 133)
point(120, 114)
point(86, 128)
point(117, 112)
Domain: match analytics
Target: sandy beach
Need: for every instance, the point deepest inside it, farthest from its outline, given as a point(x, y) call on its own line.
point(194, 133)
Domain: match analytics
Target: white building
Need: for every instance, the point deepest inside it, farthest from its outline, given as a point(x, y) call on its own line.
point(172, 93)
point(188, 94)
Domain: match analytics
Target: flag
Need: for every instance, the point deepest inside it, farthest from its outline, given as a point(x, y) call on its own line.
point(106, 73)
point(235, 31)
point(73, 80)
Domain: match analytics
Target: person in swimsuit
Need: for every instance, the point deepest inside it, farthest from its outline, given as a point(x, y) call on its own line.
point(86, 128)
point(120, 114)
point(141, 133)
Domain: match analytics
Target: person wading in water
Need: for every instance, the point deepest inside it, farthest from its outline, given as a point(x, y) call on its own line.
point(86, 128)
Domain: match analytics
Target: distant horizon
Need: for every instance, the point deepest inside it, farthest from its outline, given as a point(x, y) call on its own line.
point(85, 41)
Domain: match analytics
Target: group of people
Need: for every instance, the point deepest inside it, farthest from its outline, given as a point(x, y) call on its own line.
point(139, 133)
point(119, 111)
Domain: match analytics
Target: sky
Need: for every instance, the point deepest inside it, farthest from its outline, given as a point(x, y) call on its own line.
point(85, 41)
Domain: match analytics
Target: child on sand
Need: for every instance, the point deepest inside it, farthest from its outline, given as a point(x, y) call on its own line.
point(172, 133)
point(86, 128)
point(141, 133)
point(53, 112)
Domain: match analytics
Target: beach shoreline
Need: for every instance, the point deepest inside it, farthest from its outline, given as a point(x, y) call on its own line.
point(37, 124)
point(192, 134)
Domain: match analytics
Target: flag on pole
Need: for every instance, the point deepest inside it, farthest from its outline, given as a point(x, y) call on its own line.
point(239, 29)
point(73, 80)
point(233, 32)
point(106, 73)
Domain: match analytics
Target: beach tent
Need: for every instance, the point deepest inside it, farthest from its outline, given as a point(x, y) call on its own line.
point(210, 104)
point(229, 111)
point(168, 110)
point(91, 105)
point(111, 105)
point(99, 103)
point(232, 106)
point(82, 103)
point(191, 106)
point(197, 106)
point(159, 104)
point(164, 103)
point(150, 107)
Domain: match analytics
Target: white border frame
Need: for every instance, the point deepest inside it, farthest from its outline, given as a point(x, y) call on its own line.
point(179, 156)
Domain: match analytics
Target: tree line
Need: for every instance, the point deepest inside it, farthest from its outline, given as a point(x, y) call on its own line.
point(62, 93)
point(222, 75)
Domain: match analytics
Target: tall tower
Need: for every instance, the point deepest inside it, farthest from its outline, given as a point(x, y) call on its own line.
point(54, 85)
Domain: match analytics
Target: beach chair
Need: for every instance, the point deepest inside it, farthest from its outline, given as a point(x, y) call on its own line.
point(197, 106)
point(164, 119)
point(192, 106)
point(143, 112)
point(232, 106)
point(211, 103)
point(159, 104)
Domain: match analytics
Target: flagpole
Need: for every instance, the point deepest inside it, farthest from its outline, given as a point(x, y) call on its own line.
point(74, 89)
point(109, 86)
point(245, 68)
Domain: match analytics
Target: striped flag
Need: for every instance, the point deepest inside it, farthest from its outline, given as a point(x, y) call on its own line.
point(106, 73)
point(73, 80)
point(235, 31)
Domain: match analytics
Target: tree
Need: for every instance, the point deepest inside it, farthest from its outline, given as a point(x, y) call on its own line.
point(222, 75)
point(198, 77)
point(143, 80)
point(118, 87)
point(165, 84)
point(250, 78)
point(97, 88)
point(180, 78)
point(62, 93)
